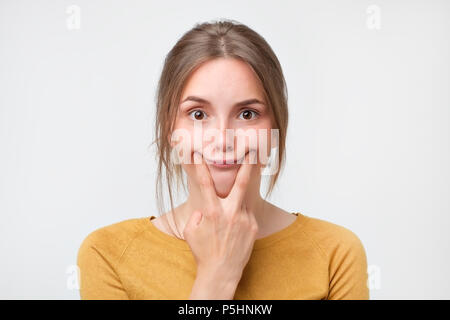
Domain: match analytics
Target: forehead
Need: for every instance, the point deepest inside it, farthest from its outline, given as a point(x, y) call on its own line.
point(224, 79)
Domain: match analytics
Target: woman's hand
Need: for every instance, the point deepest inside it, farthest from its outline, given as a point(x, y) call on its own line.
point(221, 236)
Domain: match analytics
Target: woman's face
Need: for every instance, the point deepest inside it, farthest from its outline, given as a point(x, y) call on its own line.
point(222, 115)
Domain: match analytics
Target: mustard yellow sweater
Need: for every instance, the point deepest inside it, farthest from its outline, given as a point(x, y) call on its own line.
point(309, 259)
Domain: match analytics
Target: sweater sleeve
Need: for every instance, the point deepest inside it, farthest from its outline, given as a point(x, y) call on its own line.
point(98, 276)
point(348, 269)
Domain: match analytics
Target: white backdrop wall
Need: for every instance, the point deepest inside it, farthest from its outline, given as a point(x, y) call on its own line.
point(368, 141)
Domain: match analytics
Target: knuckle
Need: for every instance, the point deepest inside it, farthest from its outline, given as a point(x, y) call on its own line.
point(253, 224)
point(213, 212)
point(186, 232)
point(254, 228)
point(233, 218)
point(212, 215)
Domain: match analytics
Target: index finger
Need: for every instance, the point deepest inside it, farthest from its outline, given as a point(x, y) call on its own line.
point(206, 182)
point(242, 179)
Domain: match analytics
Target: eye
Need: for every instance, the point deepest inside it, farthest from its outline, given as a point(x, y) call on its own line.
point(247, 114)
point(197, 115)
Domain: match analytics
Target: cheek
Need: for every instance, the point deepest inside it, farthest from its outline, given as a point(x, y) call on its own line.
point(258, 138)
point(181, 142)
point(192, 135)
point(264, 144)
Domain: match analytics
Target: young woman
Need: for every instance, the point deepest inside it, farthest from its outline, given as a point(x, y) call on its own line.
point(225, 241)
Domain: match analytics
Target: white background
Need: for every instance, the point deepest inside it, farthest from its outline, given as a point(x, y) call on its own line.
point(368, 140)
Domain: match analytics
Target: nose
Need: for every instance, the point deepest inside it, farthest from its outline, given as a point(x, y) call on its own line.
point(220, 143)
point(225, 143)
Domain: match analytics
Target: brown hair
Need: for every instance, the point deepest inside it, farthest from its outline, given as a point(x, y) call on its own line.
point(218, 39)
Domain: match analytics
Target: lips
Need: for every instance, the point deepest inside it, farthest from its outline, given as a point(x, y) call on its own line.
point(223, 162)
point(219, 162)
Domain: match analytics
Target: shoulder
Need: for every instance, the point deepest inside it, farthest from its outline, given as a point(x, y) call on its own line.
point(330, 237)
point(112, 240)
point(99, 257)
point(345, 255)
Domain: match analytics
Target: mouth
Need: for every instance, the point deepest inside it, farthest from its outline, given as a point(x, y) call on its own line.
point(223, 164)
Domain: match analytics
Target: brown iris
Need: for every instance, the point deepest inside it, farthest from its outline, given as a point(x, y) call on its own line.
point(247, 114)
point(198, 115)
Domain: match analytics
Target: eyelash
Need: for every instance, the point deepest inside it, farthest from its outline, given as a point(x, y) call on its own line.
point(256, 113)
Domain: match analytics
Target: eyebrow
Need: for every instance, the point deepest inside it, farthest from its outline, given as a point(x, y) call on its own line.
point(238, 104)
